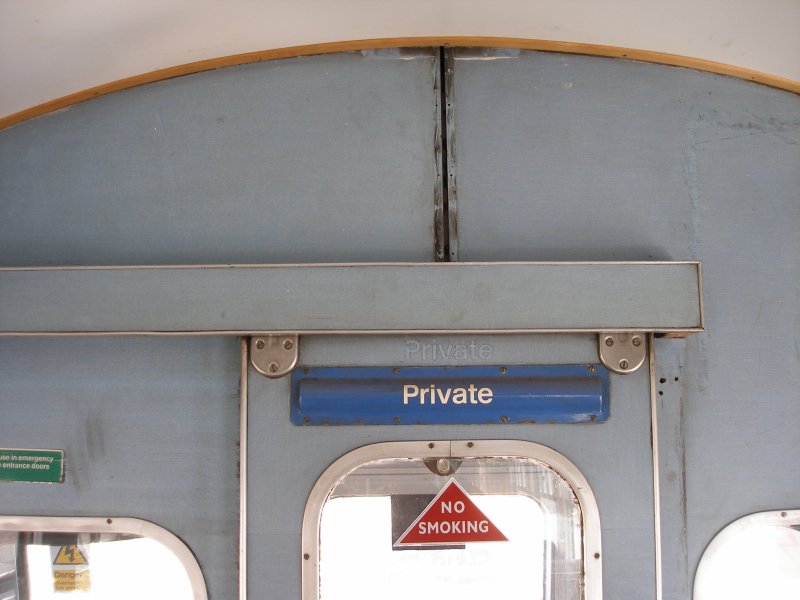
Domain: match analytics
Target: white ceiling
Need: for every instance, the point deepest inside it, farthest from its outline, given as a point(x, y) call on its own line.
point(51, 48)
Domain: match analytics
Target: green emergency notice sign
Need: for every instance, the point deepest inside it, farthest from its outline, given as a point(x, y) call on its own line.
point(41, 466)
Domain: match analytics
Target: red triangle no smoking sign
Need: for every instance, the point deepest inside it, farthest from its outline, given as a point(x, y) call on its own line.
point(450, 518)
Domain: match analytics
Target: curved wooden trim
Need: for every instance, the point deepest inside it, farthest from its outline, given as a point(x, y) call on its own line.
point(403, 42)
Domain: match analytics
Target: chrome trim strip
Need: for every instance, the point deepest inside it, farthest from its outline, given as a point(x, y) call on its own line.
point(656, 469)
point(349, 332)
point(552, 263)
point(243, 430)
point(700, 295)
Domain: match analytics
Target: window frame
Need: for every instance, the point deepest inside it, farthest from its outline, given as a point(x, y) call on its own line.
point(590, 530)
point(124, 525)
point(704, 584)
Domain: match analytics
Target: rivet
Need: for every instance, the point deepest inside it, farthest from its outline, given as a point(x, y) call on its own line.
point(504, 419)
point(109, 521)
point(636, 341)
point(609, 341)
point(592, 368)
point(260, 344)
point(783, 514)
point(273, 366)
point(395, 370)
point(503, 370)
point(470, 444)
point(306, 556)
point(623, 364)
point(306, 420)
point(396, 419)
point(431, 445)
point(288, 344)
point(597, 555)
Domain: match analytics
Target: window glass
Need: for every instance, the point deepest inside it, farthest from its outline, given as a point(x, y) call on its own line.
point(8, 568)
point(370, 508)
point(757, 556)
point(50, 565)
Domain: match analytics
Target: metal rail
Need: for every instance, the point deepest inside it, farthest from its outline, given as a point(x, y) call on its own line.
point(347, 299)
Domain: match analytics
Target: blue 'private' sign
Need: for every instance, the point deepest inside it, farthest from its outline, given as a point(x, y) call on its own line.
point(455, 395)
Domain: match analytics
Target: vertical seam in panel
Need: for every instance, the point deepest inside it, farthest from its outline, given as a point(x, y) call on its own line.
point(440, 246)
point(449, 141)
point(684, 548)
point(243, 468)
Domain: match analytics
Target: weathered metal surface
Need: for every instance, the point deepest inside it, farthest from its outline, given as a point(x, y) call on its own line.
point(149, 428)
point(323, 158)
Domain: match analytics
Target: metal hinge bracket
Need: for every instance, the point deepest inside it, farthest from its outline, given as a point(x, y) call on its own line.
point(274, 355)
point(622, 352)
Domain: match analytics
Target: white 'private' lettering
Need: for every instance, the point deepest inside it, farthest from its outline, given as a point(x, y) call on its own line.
point(469, 394)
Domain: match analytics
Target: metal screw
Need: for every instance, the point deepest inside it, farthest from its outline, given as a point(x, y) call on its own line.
point(306, 420)
point(306, 556)
point(395, 370)
point(443, 466)
point(431, 445)
point(592, 368)
point(783, 514)
point(260, 344)
point(287, 344)
point(504, 419)
point(597, 555)
point(623, 364)
point(470, 444)
point(609, 341)
point(273, 366)
point(396, 419)
point(636, 341)
point(503, 369)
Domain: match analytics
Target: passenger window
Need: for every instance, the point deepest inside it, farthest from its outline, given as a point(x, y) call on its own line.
point(472, 527)
point(757, 556)
point(45, 558)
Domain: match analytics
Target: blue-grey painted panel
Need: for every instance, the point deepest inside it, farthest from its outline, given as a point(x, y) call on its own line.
point(326, 158)
point(286, 460)
point(742, 150)
point(569, 157)
point(150, 430)
point(450, 395)
point(341, 298)
point(563, 157)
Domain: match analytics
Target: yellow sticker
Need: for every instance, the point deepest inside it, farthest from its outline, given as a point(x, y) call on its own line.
point(70, 555)
point(71, 581)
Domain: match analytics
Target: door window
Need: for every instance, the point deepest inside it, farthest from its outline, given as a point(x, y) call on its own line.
point(442, 526)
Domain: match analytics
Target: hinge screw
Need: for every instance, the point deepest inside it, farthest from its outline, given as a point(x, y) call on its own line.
point(609, 341)
point(623, 364)
point(287, 344)
point(636, 341)
point(273, 366)
point(260, 344)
